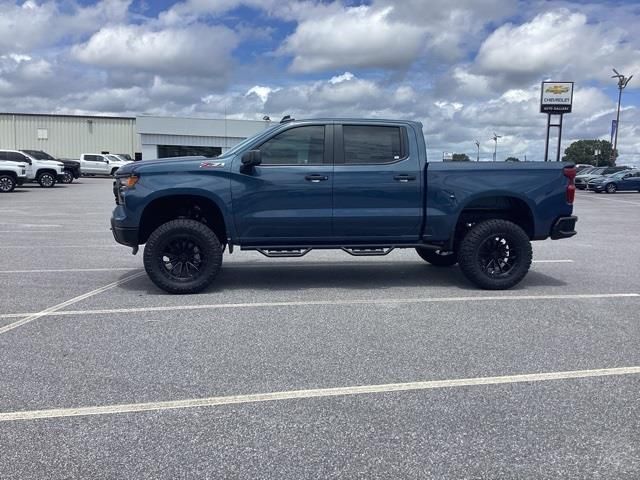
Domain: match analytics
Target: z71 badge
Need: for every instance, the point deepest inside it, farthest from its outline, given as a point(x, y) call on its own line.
point(211, 164)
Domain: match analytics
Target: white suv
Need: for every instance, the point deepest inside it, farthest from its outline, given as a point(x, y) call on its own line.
point(12, 174)
point(100, 163)
point(45, 172)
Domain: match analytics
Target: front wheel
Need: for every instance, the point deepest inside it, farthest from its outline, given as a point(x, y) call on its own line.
point(611, 188)
point(7, 183)
point(183, 256)
point(113, 172)
point(47, 180)
point(67, 176)
point(495, 254)
point(437, 258)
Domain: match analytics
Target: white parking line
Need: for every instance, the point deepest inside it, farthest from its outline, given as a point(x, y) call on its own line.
point(313, 393)
point(50, 310)
point(51, 245)
point(616, 200)
point(232, 265)
point(389, 301)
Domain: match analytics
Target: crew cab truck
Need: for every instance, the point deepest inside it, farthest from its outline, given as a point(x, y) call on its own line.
point(363, 186)
point(11, 175)
point(45, 172)
point(100, 164)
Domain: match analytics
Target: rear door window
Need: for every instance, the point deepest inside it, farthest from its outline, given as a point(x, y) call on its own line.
point(372, 144)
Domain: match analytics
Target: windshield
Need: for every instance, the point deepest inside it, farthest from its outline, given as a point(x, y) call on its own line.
point(245, 142)
point(619, 175)
point(586, 171)
point(39, 155)
point(113, 158)
point(594, 171)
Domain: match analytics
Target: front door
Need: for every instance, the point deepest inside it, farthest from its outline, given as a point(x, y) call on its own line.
point(631, 182)
point(377, 187)
point(287, 198)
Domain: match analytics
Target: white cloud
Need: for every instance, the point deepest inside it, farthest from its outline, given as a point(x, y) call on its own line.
point(198, 50)
point(357, 37)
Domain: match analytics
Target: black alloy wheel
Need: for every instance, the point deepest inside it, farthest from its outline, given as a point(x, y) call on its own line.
point(495, 254)
point(67, 176)
point(183, 256)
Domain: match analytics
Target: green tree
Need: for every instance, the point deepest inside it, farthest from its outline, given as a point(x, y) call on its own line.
point(583, 151)
point(512, 159)
point(460, 157)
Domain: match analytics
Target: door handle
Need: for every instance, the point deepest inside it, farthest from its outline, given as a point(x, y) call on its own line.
point(316, 178)
point(404, 178)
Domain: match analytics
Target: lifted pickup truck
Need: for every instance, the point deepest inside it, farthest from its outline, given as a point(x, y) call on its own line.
point(363, 186)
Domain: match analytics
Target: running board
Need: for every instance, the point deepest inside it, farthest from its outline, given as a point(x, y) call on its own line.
point(283, 252)
point(368, 251)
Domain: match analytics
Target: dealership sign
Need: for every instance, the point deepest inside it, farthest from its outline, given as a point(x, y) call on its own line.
point(556, 97)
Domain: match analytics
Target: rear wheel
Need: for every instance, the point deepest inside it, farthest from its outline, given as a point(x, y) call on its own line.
point(183, 256)
point(611, 188)
point(47, 180)
point(437, 258)
point(7, 183)
point(495, 254)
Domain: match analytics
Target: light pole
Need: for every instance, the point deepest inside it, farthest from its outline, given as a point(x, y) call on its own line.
point(495, 148)
point(478, 146)
point(622, 83)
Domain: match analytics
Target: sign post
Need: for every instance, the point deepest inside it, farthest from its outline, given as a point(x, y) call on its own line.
point(556, 98)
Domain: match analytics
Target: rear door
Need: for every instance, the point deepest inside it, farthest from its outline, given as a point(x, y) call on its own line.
point(377, 188)
point(287, 198)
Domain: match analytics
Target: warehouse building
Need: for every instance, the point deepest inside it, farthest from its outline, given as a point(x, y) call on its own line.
point(68, 136)
point(163, 137)
point(143, 137)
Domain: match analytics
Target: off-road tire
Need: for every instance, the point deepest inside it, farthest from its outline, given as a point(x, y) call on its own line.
point(47, 180)
point(7, 183)
point(209, 248)
point(472, 254)
point(436, 258)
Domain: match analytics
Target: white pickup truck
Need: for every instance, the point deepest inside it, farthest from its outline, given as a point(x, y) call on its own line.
point(45, 172)
point(100, 163)
point(11, 175)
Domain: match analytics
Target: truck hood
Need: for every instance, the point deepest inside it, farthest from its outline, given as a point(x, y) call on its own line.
point(173, 164)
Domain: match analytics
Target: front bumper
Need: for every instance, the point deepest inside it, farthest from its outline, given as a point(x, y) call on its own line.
point(564, 227)
point(124, 235)
point(596, 187)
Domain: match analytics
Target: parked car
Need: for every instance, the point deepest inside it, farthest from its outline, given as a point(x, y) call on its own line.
point(71, 167)
point(582, 167)
point(585, 177)
point(100, 164)
point(626, 180)
point(45, 172)
point(11, 175)
point(363, 186)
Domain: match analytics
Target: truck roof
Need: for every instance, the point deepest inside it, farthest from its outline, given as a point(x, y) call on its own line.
point(355, 120)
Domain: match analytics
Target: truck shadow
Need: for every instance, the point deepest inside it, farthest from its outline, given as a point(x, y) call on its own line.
point(350, 275)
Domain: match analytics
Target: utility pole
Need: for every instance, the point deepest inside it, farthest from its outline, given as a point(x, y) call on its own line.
point(478, 155)
point(495, 148)
point(622, 83)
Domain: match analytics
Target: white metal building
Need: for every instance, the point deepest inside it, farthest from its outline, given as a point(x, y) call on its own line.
point(163, 137)
point(68, 136)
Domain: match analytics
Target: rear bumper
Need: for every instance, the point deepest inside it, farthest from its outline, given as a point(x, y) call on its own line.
point(564, 227)
point(124, 235)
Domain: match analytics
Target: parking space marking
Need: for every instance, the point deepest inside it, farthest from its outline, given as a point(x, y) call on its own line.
point(314, 393)
point(53, 309)
point(51, 245)
point(390, 301)
point(616, 200)
point(70, 270)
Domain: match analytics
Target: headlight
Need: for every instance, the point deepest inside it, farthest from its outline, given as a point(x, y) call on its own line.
point(127, 182)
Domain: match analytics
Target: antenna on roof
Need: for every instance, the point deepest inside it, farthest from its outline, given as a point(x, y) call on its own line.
point(287, 119)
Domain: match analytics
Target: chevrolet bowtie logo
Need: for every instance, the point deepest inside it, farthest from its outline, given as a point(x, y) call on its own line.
point(557, 89)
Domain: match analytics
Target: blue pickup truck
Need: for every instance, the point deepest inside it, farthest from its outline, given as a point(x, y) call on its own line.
point(363, 186)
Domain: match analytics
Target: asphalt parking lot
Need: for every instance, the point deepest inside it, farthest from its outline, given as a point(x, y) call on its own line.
point(328, 366)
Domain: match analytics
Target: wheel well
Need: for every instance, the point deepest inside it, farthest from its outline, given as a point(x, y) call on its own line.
point(165, 209)
point(504, 207)
point(10, 173)
point(46, 170)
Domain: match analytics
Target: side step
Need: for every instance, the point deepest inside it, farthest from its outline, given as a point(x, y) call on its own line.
point(283, 252)
point(368, 251)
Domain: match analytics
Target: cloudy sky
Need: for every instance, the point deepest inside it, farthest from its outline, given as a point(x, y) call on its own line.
point(465, 68)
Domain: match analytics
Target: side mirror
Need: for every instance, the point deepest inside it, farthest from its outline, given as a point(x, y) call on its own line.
point(251, 158)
